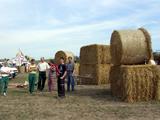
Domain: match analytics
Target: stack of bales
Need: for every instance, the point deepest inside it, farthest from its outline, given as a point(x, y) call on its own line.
point(64, 54)
point(131, 79)
point(95, 63)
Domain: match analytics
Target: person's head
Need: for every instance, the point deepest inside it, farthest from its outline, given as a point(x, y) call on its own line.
point(70, 59)
point(33, 61)
point(42, 59)
point(61, 60)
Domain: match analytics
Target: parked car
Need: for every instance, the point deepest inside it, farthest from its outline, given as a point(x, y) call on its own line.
point(13, 72)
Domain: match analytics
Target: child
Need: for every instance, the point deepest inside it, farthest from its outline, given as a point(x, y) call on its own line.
point(61, 78)
point(32, 75)
point(4, 78)
point(53, 73)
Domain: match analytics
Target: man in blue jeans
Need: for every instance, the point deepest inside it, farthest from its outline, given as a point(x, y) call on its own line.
point(4, 79)
point(70, 70)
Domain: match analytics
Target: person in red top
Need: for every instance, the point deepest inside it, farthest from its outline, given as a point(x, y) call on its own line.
point(53, 74)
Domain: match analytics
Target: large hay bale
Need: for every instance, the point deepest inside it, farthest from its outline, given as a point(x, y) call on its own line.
point(95, 54)
point(64, 54)
point(76, 68)
point(99, 74)
point(135, 83)
point(130, 47)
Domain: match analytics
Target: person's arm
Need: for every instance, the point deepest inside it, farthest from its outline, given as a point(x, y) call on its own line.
point(65, 73)
point(73, 68)
point(47, 66)
point(35, 68)
point(57, 70)
point(38, 66)
point(29, 69)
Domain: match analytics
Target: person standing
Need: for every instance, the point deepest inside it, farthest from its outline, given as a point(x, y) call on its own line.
point(70, 78)
point(61, 78)
point(5, 71)
point(32, 68)
point(42, 68)
point(53, 73)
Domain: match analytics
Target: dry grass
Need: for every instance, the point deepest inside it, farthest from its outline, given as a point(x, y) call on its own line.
point(130, 47)
point(86, 103)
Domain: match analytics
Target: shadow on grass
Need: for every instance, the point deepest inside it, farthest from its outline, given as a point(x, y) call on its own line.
point(102, 94)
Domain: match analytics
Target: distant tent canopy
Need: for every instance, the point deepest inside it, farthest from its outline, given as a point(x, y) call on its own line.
point(20, 59)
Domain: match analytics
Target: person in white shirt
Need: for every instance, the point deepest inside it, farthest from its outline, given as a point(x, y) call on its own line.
point(42, 68)
point(4, 78)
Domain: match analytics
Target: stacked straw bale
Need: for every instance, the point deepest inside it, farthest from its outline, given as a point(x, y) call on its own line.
point(95, 63)
point(135, 83)
point(131, 79)
point(99, 74)
point(98, 54)
point(64, 54)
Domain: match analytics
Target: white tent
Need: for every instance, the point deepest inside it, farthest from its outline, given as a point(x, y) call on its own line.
point(19, 59)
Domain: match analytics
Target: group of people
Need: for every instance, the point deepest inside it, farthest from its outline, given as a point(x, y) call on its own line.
point(56, 73)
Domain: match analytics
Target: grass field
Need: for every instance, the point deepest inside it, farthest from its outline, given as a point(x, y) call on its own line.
point(86, 103)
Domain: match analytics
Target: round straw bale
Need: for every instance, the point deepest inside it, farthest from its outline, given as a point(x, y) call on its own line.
point(129, 47)
point(64, 54)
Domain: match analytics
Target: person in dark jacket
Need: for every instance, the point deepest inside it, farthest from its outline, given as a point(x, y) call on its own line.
point(61, 78)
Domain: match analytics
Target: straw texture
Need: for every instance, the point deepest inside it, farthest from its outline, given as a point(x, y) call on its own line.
point(130, 47)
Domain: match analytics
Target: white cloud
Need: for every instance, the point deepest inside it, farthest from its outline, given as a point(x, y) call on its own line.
point(69, 21)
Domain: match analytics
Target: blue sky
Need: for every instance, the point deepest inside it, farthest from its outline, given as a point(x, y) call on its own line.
point(41, 27)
